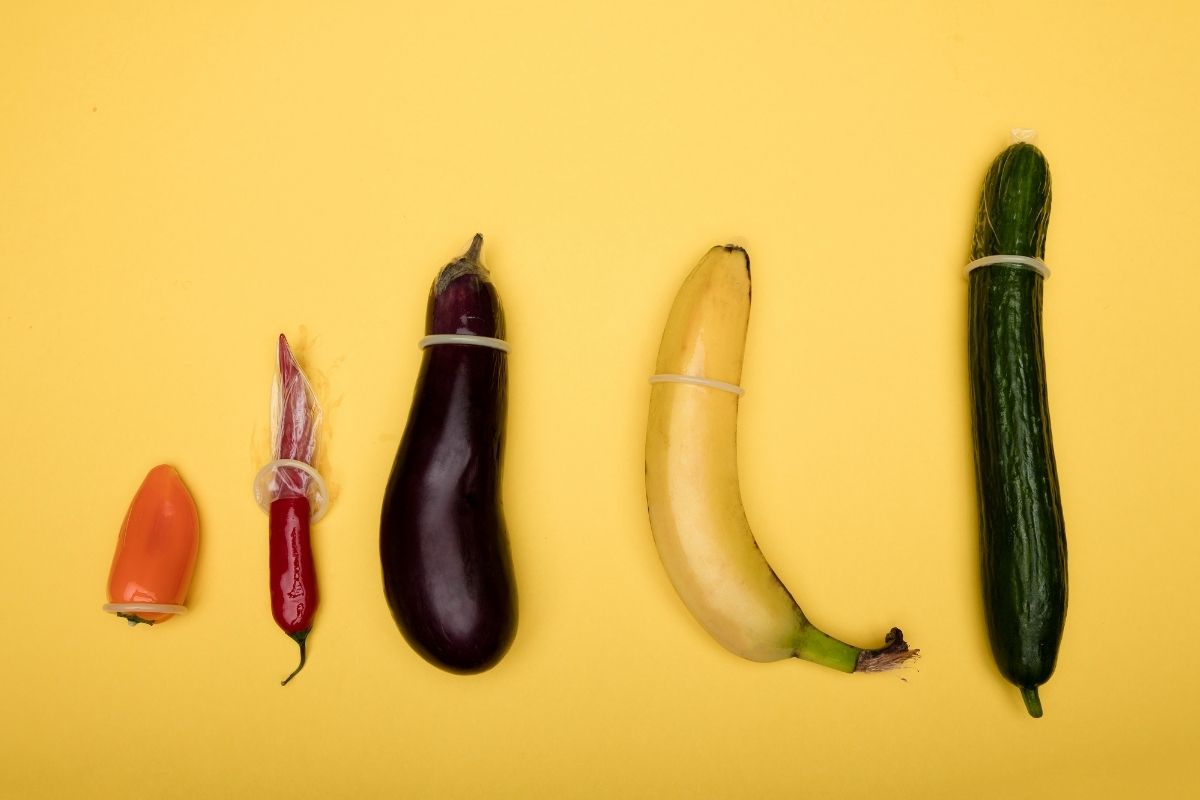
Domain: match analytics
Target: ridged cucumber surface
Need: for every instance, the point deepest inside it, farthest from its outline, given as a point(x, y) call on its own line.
point(1022, 537)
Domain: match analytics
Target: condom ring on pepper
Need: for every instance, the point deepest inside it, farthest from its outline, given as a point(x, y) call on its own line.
point(262, 486)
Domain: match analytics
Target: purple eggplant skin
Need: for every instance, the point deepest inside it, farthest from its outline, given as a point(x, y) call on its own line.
point(447, 570)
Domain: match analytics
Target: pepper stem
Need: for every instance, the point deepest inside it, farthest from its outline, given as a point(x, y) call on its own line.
point(300, 638)
point(1033, 703)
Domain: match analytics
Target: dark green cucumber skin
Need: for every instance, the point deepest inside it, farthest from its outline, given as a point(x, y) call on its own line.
point(1022, 538)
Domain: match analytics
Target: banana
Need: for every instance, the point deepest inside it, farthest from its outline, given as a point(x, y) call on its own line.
point(692, 489)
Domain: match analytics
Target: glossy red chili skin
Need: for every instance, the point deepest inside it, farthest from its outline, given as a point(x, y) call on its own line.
point(293, 578)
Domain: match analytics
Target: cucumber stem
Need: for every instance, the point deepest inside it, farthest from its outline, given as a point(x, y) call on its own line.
point(1033, 704)
point(300, 638)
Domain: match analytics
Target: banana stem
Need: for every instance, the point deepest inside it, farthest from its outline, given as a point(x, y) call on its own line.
point(819, 647)
point(893, 654)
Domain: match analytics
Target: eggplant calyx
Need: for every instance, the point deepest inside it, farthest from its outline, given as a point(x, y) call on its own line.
point(466, 264)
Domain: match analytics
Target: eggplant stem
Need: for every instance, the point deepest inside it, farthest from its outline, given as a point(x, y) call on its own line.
point(300, 637)
point(474, 250)
point(466, 264)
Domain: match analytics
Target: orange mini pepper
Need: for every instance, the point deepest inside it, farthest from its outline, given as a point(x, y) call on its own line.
point(156, 551)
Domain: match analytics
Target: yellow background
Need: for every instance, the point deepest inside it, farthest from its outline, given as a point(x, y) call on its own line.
point(179, 182)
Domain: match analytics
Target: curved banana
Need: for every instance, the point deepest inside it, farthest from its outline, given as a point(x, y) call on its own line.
point(692, 489)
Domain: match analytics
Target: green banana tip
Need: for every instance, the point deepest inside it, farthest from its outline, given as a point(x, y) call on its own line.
point(1033, 703)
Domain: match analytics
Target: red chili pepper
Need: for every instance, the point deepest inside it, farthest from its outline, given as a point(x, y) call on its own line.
point(293, 576)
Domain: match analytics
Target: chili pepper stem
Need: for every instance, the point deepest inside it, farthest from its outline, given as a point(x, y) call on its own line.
point(300, 637)
point(134, 620)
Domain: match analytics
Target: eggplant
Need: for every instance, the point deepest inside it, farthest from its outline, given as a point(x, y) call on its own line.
point(447, 569)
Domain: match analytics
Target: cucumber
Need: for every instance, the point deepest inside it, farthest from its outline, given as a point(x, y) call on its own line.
point(1022, 538)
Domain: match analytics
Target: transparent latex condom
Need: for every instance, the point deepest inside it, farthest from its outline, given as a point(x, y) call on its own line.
point(295, 421)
